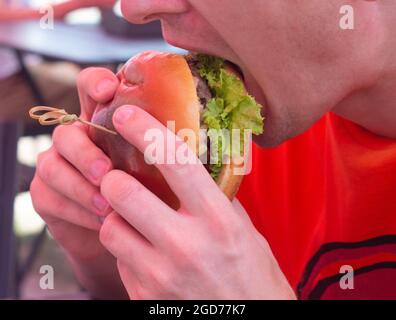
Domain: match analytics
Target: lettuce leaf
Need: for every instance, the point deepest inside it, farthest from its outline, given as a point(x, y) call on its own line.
point(232, 107)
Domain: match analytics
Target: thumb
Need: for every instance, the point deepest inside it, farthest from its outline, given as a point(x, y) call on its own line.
point(95, 86)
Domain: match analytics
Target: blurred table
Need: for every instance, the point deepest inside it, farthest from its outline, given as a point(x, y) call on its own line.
point(84, 45)
point(81, 44)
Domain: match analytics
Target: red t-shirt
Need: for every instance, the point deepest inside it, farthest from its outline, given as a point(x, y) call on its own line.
point(324, 200)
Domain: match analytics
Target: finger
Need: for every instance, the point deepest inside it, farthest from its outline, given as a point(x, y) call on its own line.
point(187, 177)
point(240, 210)
point(95, 85)
point(69, 235)
point(74, 145)
point(125, 243)
point(59, 175)
point(140, 207)
point(129, 279)
point(54, 207)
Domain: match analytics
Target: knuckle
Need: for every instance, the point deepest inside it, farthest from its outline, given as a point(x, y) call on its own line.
point(106, 233)
point(181, 169)
point(120, 189)
point(61, 234)
point(53, 210)
point(162, 278)
point(230, 240)
point(159, 283)
point(183, 250)
point(58, 205)
point(46, 166)
point(220, 211)
point(89, 77)
point(127, 192)
point(231, 233)
point(59, 135)
point(43, 203)
point(227, 229)
point(36, 190)
point(84, 75)
point(42, 156)
point(80, 193)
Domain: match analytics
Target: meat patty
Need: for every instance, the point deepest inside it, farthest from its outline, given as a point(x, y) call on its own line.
point(202, 87)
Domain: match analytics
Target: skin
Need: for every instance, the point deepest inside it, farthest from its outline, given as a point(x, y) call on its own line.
point(209, 248)
point(60, 10)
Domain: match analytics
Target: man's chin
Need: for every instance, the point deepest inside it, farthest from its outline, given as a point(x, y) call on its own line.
point(270, 138)
point(278, 130)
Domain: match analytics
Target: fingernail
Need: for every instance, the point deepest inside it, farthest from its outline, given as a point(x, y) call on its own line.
point(99, 169)
point(123, 115)
point(100, 203)
point(104, 85)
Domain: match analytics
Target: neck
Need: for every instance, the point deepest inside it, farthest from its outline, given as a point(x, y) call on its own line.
point(374, 107)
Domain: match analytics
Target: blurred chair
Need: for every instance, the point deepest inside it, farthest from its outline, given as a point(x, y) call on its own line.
point(9, 134)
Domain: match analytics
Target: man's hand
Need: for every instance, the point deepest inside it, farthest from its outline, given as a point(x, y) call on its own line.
point(208, 249)
point(65, 190)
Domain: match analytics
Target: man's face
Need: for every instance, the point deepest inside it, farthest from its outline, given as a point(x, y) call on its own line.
point(295, 58)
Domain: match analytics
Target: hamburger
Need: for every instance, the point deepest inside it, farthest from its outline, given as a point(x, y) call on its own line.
point(196, 92)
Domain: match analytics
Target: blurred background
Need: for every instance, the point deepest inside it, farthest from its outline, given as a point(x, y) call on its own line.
point(39, 63)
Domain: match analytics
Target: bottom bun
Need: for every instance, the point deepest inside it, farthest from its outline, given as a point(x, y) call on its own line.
point(228, 181)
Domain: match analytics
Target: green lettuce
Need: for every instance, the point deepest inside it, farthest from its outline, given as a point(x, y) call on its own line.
point(231, 108)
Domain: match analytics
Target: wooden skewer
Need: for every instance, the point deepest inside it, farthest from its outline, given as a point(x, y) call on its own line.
point(48, 116)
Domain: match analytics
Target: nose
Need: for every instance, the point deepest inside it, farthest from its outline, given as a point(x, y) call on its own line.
point(143, 11)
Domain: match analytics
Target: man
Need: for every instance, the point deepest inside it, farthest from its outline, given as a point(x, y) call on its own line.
point(58, 79)
point(321, 199)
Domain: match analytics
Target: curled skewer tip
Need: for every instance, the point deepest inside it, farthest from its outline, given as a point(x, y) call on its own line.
point(48, 116)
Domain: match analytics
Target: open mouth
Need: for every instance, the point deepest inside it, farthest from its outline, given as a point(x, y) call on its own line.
point(236, 69)
point(225, 104)
point(251, 85)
